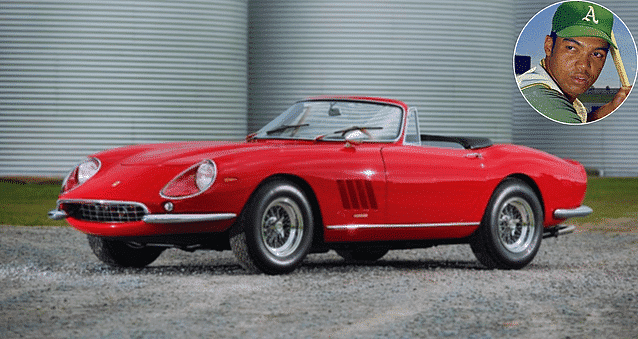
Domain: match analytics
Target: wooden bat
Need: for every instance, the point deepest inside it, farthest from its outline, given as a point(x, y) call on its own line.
point(615, 54)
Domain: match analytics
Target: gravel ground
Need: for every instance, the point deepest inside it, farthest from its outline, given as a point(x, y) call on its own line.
point(583, 285)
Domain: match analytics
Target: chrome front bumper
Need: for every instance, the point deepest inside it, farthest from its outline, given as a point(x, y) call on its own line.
point(164, 218)
point(581, 211)
point(186, 218)
point(57, 215)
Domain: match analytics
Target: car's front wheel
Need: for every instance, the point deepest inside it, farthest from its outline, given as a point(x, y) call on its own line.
point(274, 233)
point(121, 254)
point(511, 231)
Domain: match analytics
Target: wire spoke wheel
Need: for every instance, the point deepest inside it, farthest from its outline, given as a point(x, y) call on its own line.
point(516, 225)
point(275, 231)
point(282, 227)
point(512, 227)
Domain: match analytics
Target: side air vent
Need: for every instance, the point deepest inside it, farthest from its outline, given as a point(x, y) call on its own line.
point(357, 194)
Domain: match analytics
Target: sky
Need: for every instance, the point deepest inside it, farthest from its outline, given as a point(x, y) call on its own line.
point(531, 39)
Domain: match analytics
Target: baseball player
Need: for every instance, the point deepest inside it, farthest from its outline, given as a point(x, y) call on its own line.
point(575, 53)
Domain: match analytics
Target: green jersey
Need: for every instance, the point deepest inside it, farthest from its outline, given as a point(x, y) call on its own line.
point(546, 97)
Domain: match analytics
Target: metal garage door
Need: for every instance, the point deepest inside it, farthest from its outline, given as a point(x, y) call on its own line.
point(451, 59)
point(78, 77)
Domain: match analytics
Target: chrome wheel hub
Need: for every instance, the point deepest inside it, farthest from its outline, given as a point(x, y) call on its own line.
point(516, 225)
point(282, 227)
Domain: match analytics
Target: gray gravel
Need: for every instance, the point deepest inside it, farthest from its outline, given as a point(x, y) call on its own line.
point(583, 285)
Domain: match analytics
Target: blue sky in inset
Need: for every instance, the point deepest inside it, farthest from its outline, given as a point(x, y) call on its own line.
point(530, 43)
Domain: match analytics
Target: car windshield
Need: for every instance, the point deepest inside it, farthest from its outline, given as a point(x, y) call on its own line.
point(336, 120)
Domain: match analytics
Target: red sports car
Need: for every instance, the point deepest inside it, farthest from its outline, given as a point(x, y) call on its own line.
point(345, 173)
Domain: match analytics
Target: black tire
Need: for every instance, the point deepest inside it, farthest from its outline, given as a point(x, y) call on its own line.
point(511, 231)
point(120, 254)
point(275, 230)
point(363, 254)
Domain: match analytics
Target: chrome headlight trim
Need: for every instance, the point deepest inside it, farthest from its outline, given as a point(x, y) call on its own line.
point(205, 166)
point(86, 175)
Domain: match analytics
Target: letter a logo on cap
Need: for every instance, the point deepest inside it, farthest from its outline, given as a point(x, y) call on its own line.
point(591, 14)
point(569, 22)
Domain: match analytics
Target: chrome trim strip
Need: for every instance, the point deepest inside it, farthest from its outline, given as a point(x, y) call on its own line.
point(448, 224)
point(186, 218)
point(581, 211)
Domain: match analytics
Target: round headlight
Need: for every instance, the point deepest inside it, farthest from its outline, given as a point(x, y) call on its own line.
point(87, 169)
point(205, 175)
point(81, 173)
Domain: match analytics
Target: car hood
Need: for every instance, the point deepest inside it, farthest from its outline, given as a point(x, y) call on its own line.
point(176, 153)
point(138, 173)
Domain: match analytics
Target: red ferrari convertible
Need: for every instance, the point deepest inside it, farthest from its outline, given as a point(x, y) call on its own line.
point(350, 174)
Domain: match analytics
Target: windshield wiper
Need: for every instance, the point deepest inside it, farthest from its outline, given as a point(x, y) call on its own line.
point(285, 127)
point(357, 128)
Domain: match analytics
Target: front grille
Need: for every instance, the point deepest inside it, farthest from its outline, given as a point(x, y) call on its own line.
point(105, 211)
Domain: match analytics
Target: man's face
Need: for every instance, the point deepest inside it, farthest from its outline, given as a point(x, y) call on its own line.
point(575, 63)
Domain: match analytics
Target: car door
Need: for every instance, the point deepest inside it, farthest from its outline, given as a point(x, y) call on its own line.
point(434, 190)
point(349, 183)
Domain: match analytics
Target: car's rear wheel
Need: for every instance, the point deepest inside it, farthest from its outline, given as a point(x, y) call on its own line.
point(511, 231)
point(362, 254)
point(274, 233)
point(121, 254)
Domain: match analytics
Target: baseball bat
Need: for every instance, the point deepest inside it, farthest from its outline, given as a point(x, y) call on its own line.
point(615, 54)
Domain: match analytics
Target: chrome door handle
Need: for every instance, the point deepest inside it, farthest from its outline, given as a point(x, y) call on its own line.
point(474, 155)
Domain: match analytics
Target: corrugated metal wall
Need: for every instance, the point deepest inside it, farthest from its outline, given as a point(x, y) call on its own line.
point(449, 58)
point(610, 145)
point(78, 77)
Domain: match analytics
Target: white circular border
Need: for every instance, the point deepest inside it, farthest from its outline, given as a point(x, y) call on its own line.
point(616, 17)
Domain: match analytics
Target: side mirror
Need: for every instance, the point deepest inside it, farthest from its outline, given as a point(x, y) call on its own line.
point(356, 137)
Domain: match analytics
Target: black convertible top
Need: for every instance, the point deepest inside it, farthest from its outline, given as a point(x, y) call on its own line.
point(466, 142)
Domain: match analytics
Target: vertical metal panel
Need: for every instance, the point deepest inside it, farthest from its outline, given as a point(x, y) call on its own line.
point(78, 77)
point(610, 145)
point(451, 59)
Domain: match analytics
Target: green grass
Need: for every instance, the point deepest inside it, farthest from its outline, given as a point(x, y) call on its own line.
point(27, 203)
point(611, 198)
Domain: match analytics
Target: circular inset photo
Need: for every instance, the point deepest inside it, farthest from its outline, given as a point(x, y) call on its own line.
point(575, 62)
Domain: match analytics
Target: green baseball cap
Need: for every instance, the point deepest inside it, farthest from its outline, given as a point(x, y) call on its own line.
point(583, 19)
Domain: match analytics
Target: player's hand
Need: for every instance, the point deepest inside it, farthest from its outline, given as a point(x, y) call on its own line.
point(622, 94)
point(611, 106)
